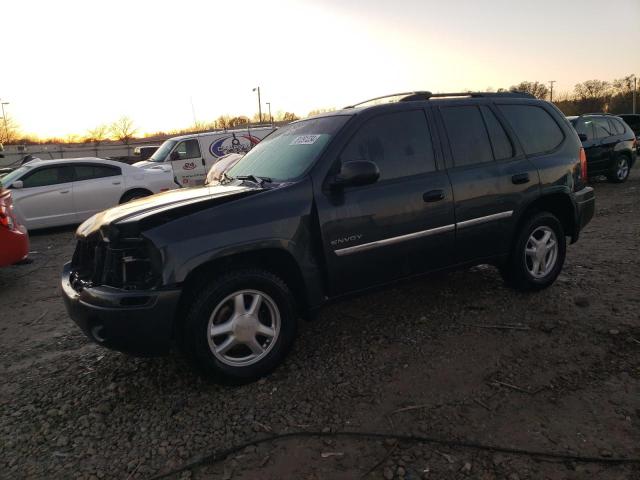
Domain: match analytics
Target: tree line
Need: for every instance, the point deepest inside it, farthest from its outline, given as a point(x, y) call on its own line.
point(587, 97)
point(590, 96)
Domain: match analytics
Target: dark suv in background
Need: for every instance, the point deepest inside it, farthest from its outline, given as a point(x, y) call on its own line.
point(327, 207)
point(609, 143)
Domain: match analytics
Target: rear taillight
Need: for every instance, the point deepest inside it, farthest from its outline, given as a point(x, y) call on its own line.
point(583, 166)
point(6, 212)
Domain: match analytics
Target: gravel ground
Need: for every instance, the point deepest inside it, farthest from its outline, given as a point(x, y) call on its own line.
point(422, 358)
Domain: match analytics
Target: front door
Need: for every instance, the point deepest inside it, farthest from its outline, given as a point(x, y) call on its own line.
point(401, 224)
point(46, 197)
point(187, 163)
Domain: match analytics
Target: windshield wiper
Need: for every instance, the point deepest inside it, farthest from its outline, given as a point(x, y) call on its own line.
point(226, 178)
point(258, 180)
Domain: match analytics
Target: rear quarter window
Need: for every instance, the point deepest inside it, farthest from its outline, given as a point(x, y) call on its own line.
point(535, 127)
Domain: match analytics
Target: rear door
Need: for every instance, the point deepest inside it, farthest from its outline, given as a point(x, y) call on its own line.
point(399, 225)
point(96, 187)
point(491, 178)
point(606, 139)
point(46, 198)
point(187, 163)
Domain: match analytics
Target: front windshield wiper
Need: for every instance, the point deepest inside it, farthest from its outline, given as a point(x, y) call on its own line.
point(253, 178)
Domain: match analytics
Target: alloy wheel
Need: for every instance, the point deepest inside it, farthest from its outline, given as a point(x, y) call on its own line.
point(243, 328)
point(541, 252)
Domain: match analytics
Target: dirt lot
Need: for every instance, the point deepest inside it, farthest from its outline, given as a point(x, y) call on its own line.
point(422, 358)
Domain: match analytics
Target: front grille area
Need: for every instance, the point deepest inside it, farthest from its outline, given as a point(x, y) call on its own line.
point(125, 264)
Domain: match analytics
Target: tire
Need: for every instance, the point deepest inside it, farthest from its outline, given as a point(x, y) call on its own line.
point(134, 195)
point(520, 270)
point(620, 169)
point(227, 357)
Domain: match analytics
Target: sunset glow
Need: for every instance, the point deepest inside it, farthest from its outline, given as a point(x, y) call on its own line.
point(71, 65)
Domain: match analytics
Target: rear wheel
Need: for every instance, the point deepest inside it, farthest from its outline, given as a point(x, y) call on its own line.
point(134, 194)
point(620, 169)
point(240, 326)
point(538, 254)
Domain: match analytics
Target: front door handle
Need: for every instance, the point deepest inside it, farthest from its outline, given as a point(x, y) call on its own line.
point(433, 196)
point(116, 183)
point(520, 178)
point(64, 191)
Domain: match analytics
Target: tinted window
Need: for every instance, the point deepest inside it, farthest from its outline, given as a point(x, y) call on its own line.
point(467, 135)
point(500, 142)
point(617, 126)
point(399, 143)
point(584, 126)
point(537, 130)
point(188, 149)
point(48, 176)
point(88, 172)
point(603, 129)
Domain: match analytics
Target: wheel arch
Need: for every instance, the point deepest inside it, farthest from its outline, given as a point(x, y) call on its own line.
point(278, 261)
point(556, 203)
point(132, 190)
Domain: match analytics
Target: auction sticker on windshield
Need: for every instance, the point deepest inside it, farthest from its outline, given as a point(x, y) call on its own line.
point(304, 140)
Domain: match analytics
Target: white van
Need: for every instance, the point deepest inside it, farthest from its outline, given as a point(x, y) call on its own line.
point(191, 156)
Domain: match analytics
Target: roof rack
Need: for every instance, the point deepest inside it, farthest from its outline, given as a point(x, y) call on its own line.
point(426, 95)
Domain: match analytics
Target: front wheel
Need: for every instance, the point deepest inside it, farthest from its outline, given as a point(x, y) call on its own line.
point(240, 326)
point(619, 170)
point(538, 254)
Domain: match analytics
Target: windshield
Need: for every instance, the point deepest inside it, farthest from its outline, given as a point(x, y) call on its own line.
point(161, 154)
point(11, 176)
point(289, 151)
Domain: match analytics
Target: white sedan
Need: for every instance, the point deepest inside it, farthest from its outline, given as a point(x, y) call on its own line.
point(67, 191)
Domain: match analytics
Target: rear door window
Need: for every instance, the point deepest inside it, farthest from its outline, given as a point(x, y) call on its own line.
point(89, 172)
point(398, 143)
point(603, 129)
point(467, 134)
point(46, 176)
point(502, 147)
point(535, 127)
point(618, 128)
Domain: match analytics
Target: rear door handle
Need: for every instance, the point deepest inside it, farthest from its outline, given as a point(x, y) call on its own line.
point(116, 183)
point(433, 196)
point(64, 191)
point(520, 178)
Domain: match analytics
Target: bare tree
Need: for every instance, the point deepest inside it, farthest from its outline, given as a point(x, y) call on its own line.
point(123, 129)
point(9, 130)
point(98, 134)
point(592, 89)
point(537, 89)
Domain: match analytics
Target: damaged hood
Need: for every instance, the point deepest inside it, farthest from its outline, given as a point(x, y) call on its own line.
point(160, 203)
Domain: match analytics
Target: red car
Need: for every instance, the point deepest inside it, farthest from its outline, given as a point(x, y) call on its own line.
point(14, 240)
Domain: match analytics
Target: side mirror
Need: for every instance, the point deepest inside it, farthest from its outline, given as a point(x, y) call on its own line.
point(356, 172)
point(17, 184)
point(583, 137)
point(174, 156)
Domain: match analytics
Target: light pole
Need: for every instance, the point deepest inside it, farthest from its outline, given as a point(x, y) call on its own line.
point(270, 117)
point(4, 117)
point(551, 82)
point(259, 104)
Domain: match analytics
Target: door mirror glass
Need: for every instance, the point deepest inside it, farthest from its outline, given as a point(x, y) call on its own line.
point(17, 184)
point(357, 172)
point(582, 137)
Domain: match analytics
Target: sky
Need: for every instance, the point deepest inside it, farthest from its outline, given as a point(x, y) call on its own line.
point(68, 66)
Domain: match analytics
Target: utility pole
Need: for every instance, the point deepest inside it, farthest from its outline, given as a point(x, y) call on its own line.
point(259, 104)
point(4, 117)
point(635, 89)
point(270, 117)
point(551, 82)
